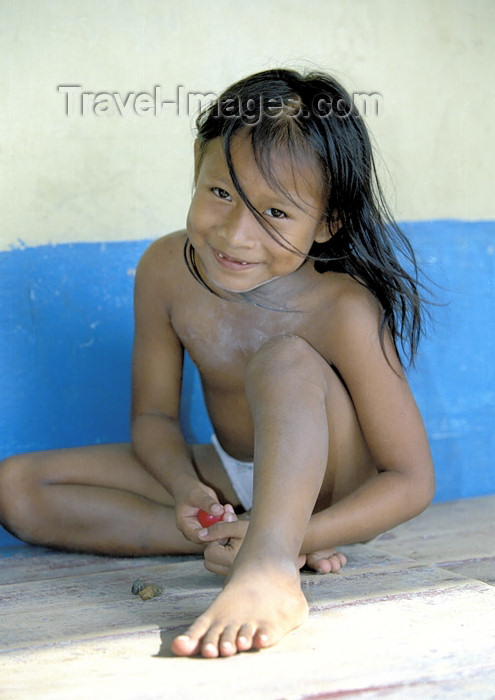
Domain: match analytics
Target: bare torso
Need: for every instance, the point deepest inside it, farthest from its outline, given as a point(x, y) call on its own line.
point(221, 336)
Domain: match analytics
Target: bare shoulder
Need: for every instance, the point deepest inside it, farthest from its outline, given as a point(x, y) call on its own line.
point(161, 264)
point(353, 308)
point(351, 335)
point(164, 252)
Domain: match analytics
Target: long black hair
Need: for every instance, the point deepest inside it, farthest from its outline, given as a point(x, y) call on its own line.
point(313, 116)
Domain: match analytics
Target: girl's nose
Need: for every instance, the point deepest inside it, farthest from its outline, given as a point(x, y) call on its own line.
point(239, 228)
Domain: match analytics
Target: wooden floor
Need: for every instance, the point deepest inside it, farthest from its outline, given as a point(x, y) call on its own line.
point(411, 616)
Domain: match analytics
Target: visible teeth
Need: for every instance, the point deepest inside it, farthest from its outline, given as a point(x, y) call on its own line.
point(221, 255)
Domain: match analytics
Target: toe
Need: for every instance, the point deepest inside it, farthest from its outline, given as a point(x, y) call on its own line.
point(210, 644)
point(228, 641)
point(190, 642)
point(319, 563)
point(209, 650)
point(337, 561)
point(262, 638)
point(183, 645)
point(245, 638)
point(324, 566)
point(301, 561)
point(326, 562)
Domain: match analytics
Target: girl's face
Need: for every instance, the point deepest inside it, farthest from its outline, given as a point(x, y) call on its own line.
point(234, 252)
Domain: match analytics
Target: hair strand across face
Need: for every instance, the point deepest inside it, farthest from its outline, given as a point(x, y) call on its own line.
point(312, 119)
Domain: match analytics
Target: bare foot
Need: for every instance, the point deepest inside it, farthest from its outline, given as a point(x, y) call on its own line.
point(257, 607)
point(327, 561)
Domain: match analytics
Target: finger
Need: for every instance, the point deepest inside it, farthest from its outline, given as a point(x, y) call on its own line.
point(216, 553)
point(210, 505)
point(219, 569)
point(218, 558)
point(203, 497)
point(224, 531)
point(229, 516)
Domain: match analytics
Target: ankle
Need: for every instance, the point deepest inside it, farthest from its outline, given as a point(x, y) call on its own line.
point(266, 560)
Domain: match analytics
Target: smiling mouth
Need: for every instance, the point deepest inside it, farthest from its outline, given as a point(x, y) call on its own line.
point(232, 263)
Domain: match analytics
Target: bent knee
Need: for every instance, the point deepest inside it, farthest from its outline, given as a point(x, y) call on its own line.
point(288, 362)
point(18, 488)
point(284, 353)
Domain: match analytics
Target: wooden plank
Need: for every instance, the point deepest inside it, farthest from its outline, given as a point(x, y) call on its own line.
point(374, 648)
point(446, 532)
point(98, 604)
point(36, 563)
point(482, 569)
point(101, 604)
point(393, 623)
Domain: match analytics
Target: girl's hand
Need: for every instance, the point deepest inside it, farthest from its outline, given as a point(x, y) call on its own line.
point(223, 541)
point(190, 501)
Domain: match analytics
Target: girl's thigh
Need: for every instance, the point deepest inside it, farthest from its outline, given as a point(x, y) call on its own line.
point(116, 466)
point(111, 466)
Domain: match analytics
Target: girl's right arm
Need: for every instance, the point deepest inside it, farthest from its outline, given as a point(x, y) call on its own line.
point(156, 435)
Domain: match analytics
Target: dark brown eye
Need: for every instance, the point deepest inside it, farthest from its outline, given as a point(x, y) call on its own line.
point(223, 194)
point(275, 213)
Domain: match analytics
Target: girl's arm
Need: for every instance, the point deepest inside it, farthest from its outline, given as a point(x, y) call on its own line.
point(391, 425)
point(156, 434)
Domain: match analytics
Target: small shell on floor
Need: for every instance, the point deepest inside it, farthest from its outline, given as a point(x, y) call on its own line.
point(137, 586)
point(150, 591)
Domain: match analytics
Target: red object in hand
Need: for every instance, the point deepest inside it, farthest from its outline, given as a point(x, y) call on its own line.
point(205, 519)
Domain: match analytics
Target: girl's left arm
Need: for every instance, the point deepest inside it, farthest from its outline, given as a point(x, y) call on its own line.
point(392, 427)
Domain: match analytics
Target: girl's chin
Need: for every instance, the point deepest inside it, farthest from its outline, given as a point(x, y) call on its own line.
point(221, 283)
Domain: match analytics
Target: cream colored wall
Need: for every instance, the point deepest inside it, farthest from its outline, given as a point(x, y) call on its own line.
point(84, 178)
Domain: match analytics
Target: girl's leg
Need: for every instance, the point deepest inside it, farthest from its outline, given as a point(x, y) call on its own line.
point(97, 499)
point(299, 408)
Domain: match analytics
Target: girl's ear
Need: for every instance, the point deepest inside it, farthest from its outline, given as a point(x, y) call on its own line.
point(327, 229)
point(198, 157)
point(335, 223)
point(196, 149)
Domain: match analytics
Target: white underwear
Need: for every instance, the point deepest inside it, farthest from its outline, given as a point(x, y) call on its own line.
point(239, 473)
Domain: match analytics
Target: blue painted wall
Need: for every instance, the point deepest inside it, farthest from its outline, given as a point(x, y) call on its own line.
point(66, 334)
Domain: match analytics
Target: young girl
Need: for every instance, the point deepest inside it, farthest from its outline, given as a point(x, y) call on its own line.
point(288, 293)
